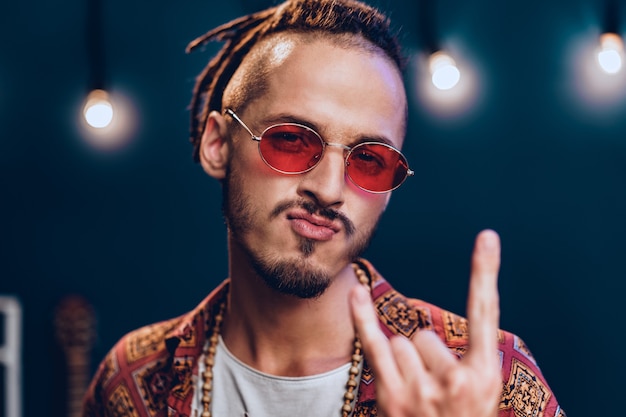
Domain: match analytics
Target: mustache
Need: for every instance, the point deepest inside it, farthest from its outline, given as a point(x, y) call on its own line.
point(313, 208)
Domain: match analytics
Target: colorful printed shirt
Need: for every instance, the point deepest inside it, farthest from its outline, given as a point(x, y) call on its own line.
point(151, 371)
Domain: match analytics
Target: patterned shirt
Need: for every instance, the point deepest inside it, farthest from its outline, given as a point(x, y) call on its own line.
point(151, 371)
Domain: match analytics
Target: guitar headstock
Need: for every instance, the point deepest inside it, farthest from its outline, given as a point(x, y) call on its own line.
point(75, 323)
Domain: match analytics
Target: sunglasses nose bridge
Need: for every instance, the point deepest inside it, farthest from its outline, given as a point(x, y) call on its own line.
point(346, 149)
point(338, 145)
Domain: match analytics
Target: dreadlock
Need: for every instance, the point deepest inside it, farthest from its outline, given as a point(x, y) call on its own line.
point(303, 16)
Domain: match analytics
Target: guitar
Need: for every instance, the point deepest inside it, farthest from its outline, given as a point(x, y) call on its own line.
point(75, 328)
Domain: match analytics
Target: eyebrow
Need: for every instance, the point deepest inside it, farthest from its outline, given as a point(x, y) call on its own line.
point(287, 118)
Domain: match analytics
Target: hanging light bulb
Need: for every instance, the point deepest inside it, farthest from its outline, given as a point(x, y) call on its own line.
point(108, 121)
point(98, 109)
point(445, 74)
point(611, 53)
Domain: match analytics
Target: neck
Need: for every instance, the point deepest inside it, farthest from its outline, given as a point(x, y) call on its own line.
point(284, 335)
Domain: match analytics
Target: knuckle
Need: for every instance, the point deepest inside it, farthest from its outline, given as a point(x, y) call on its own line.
point(431, 394)
point(458, 382)
point(395, 405)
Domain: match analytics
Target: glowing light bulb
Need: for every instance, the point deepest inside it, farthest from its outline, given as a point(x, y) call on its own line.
point(445, 74)
point(610, 56)
point(98, 110)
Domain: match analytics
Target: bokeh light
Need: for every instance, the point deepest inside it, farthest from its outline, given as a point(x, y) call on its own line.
point(108, 120)
point(611, 53)
point(98, 110)
point(597, 91)
point(445, 74)
point(444, 87)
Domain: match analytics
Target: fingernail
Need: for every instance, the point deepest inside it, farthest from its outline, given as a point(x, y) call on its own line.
point(490, 240)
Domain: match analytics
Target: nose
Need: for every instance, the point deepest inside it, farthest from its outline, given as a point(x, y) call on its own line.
point(326, 182)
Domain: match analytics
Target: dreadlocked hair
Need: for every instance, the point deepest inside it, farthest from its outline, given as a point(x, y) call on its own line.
point(300, 16)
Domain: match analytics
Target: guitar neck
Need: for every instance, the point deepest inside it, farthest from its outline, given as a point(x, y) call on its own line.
point(78, 373)
point(75, 329)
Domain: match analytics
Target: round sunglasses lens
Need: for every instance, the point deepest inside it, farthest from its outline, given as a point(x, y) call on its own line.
point(376, 167)
point(290, 148)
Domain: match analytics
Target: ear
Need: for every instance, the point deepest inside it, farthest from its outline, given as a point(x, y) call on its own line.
point(214, 146)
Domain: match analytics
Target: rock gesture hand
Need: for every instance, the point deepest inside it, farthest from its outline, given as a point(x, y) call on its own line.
point(420, 377)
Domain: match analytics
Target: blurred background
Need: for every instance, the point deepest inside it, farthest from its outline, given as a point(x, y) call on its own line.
point(525, 133)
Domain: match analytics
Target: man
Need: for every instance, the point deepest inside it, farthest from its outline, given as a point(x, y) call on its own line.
point(301, 117)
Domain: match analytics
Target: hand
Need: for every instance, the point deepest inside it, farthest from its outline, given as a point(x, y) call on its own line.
point(420, 377)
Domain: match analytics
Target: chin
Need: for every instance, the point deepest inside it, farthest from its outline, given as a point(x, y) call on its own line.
point(293, 275)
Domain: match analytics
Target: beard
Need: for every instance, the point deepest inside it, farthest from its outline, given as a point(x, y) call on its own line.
point(287, 275)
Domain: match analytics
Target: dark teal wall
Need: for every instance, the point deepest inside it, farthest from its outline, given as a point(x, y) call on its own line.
point(139, 232)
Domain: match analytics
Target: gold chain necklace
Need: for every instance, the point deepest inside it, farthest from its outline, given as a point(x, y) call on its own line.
point(209, 360)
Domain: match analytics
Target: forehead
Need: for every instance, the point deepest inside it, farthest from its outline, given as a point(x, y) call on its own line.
point(335, 81)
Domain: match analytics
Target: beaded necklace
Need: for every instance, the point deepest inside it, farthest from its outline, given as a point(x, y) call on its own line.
point(209, 360)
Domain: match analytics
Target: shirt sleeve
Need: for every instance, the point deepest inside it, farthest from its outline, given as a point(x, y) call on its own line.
point(525, 392)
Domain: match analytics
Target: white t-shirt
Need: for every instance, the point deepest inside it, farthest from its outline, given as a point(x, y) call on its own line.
point(239, 390)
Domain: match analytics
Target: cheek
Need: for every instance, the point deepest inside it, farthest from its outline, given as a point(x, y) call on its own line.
point(248, 162)
point(364, 201)
point(369, 209)
point(261, 186)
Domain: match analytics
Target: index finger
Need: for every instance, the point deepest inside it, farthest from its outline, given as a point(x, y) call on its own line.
point(483, 308)
point(375, 343)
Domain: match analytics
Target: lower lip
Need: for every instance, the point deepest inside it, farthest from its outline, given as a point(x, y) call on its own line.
point(311, 231)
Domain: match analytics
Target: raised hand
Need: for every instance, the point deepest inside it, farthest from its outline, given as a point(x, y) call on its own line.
point(420, 377)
